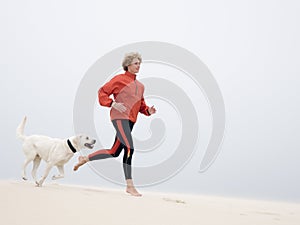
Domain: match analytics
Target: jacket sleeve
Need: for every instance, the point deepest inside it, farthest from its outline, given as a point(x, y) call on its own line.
point(104, 93)
point(144, 108)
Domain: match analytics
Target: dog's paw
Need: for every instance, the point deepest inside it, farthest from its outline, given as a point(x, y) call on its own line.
point(57, 177)
point(38, 184)
point(24, 178)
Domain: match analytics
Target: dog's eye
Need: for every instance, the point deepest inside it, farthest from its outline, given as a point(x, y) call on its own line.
point(87, 138)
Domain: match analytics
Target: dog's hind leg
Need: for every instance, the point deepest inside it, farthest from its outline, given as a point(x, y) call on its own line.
point(36, 163)
point(26, 162)
point(61, 173)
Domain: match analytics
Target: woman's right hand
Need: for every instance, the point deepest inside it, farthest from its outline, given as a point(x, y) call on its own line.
point(119, 106)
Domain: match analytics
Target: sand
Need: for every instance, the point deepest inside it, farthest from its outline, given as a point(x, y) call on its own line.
point(24, 204)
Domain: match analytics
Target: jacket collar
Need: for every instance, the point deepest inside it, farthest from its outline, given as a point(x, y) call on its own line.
point(131, 75)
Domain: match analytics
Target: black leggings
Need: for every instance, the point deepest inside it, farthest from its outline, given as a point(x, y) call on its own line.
point(123, 140)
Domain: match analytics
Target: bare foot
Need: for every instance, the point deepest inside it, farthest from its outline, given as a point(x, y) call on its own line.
point(81, 160)
point(131, 190)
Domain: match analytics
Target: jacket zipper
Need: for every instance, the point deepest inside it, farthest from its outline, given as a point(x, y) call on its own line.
point(136, 87)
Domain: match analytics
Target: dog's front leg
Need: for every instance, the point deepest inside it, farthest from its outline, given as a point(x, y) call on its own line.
point(48, 168)
point(61, 173)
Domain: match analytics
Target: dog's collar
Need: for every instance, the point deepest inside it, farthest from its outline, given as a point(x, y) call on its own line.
point(71, 146)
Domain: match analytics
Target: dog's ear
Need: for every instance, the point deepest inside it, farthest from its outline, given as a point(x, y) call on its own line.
point(76, 140)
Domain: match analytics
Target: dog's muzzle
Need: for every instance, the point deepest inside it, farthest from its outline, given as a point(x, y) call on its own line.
point(90, 145)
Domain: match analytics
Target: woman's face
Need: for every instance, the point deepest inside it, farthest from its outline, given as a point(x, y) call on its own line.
point(134, 67)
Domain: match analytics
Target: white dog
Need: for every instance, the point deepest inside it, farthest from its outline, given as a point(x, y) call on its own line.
point(56, 152)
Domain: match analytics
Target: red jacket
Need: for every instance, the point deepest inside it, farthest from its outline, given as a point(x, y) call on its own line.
point(125, 89)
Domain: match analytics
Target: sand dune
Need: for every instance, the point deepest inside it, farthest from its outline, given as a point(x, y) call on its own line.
point(24, 204)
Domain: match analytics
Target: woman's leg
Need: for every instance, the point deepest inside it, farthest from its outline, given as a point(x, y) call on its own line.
point(101, 154)
point(124, 128)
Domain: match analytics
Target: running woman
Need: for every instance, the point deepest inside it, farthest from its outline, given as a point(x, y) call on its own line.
point(128, 101)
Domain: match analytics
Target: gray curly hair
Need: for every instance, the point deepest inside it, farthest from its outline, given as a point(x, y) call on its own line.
point(129, 57)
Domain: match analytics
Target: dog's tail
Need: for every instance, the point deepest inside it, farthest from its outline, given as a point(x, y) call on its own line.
point(20, 129)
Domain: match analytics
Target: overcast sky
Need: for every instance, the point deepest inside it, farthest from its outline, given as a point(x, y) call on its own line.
point(251, 47)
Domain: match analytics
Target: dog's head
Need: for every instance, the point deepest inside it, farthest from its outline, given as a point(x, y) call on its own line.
point(83, 141)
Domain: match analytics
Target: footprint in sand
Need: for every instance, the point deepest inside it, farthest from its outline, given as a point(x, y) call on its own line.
point(174, 200)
